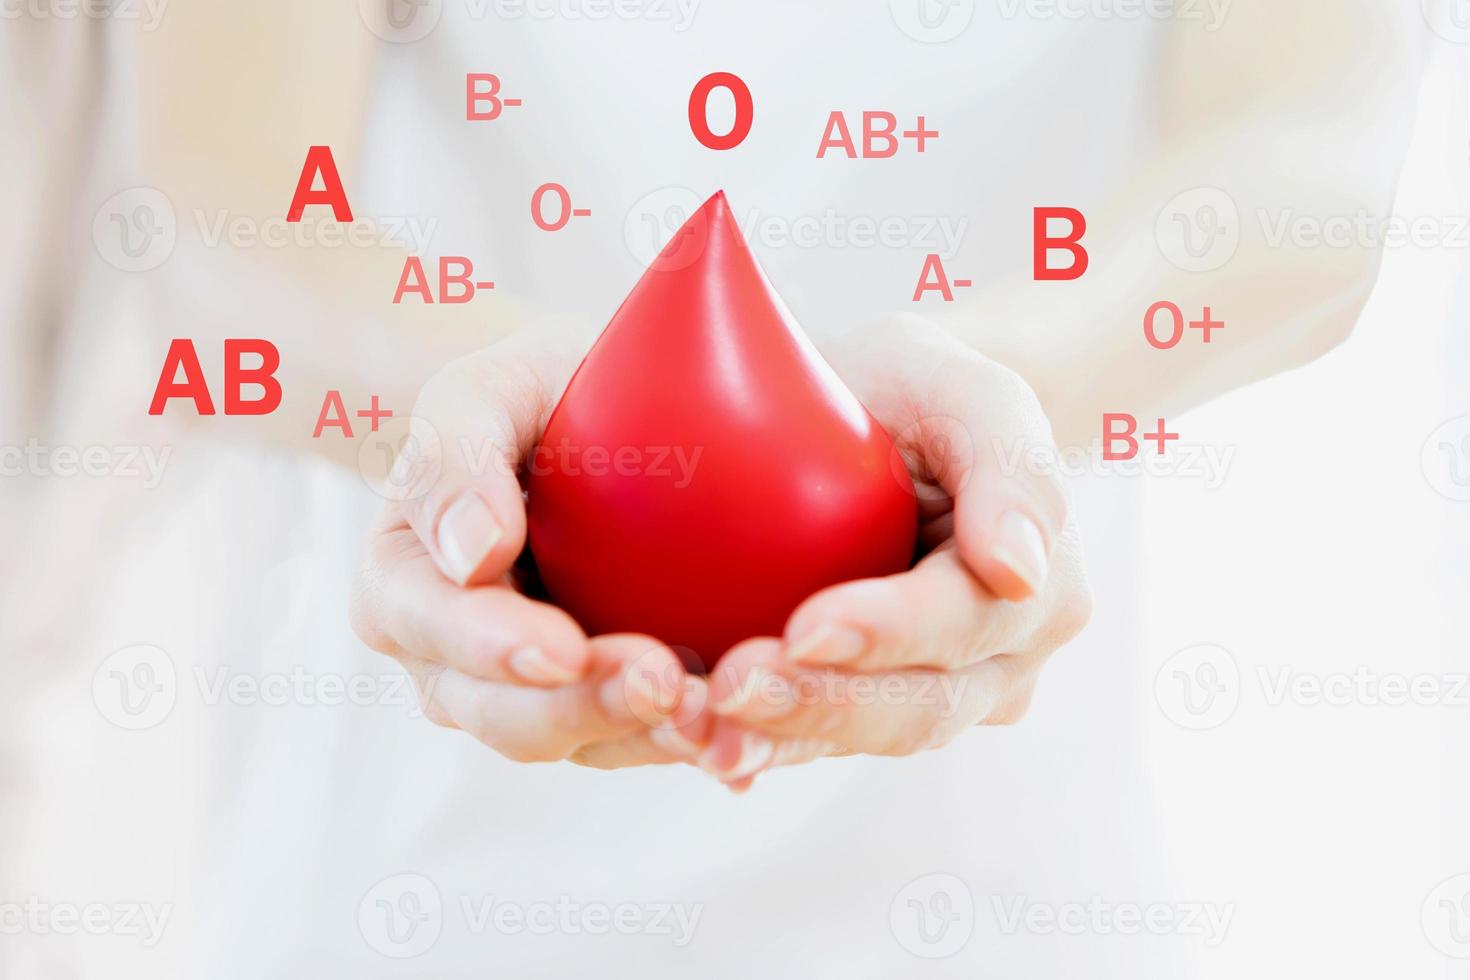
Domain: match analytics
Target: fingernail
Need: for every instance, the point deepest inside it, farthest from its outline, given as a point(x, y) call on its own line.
point(692, 702)
point(1019, 546)
point(674, 742)
point(533, 665)
point(755, 751)
point(613, 693)
point(644, 691)
point(634, 694)
point(467, 532)
point(762, 695)
point(828, 644)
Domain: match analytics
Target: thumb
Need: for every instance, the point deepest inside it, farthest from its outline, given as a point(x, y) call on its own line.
point(1009, 502)
point(482, 416)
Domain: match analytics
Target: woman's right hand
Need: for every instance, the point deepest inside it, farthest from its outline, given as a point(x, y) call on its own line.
point(441, 591)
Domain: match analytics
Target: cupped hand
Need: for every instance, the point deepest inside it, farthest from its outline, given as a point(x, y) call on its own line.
point(886, 666)
point(896, 665)
point(440, 588)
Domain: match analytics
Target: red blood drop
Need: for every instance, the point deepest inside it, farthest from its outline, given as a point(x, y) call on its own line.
point(706, 470)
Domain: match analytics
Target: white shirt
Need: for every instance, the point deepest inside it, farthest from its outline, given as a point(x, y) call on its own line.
point(305, 839)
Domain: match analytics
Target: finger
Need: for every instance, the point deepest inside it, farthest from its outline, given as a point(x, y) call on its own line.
point(936, 615)
point(476, 421)
point(736, 753)
point(1009, 501)
point(403, 606)
point(425, 677)
point(884, 714)
point(680, 739)
point(541, 725)
point(1013, 707)
point(642, 679)
point(624, 753)
point(975, 429)
point(521, 723)
point(687, 733)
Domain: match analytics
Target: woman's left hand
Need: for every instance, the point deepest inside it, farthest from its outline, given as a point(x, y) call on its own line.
point(901, 664)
